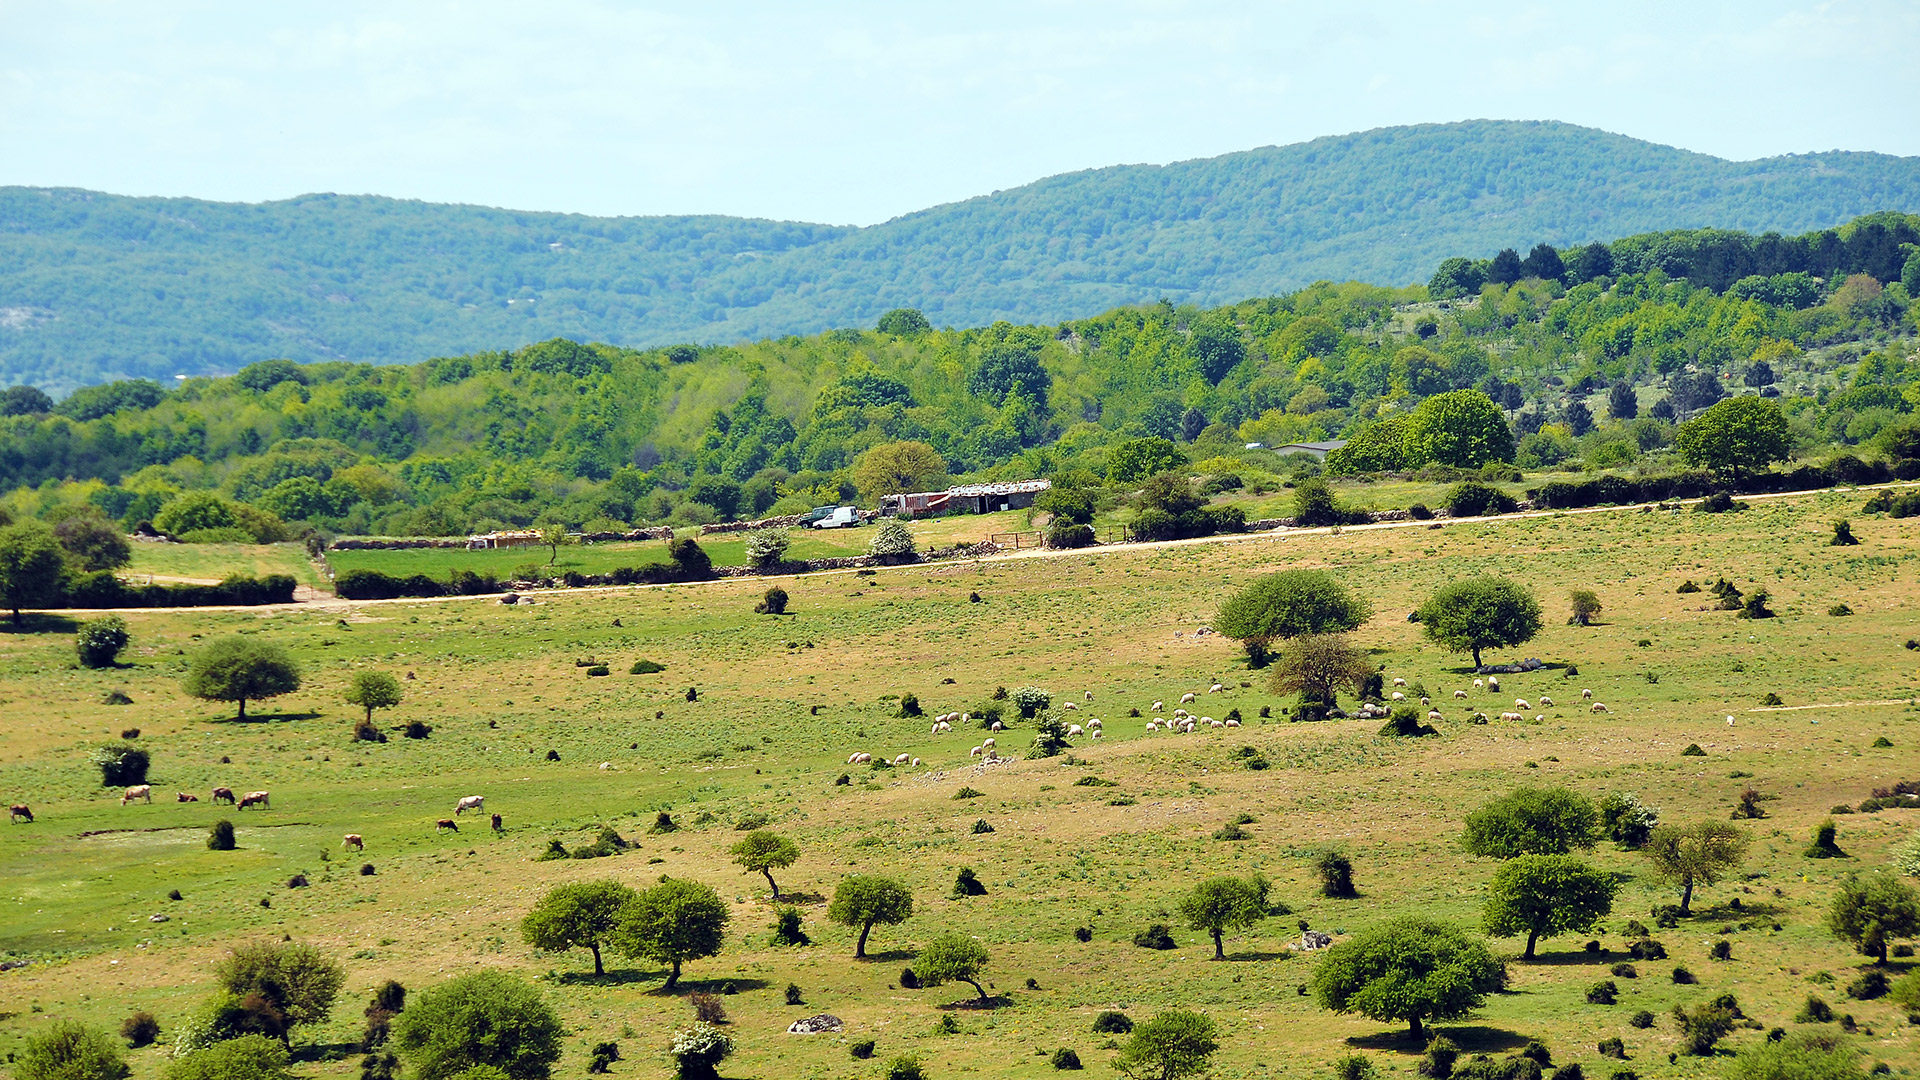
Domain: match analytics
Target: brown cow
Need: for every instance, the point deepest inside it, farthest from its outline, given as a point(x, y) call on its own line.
point(497, 826)
point(446, 823)
point(254, 798)
point(223, 795)
point(20, 810)
point(138, 791)
point(353, 841)
point(184, 797)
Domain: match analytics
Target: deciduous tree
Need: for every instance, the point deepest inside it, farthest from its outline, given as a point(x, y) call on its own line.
point(581, 914)
point(1872, 909)
point(488, 1018)
point(31, 565)
point(1480, 613)
point(952, 958)
point(241, 669)
point(1289, 604)
point(763, 851)
point(672, 922)
point(1220, 904)
point(373, 690)
point(867, 900)
point(1174, 1044)
point(1546, 895)
point(1532, 821)
point(1410, 969)
point(1692, 855)
point(1735, 436)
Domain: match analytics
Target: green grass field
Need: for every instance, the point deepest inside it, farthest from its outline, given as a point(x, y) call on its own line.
point(211, 562)
point(783, 701)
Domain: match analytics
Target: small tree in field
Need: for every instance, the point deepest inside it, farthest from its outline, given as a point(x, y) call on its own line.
point(488, 1018)
point(1532, 821)
point(70, 1050)
point(891, 541)
point(672, 922)
point(764, 851)
point(31, 566)
point(373, 690)
point(1871, 910)
point(767, 548)
point(579, 914)
point(1174, 1044)
point(296, 979)
point(1585, 606)
point(1225, 903)
point(1694, 855)
point(866, 900)
point(1480, 613)
point(100, 641)
point(239, 669)
point(952, 958)
point(1289, 604)
point(1317, 667)
point(1409, 969)
point(1546, 895)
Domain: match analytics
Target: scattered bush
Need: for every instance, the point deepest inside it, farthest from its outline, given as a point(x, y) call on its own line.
point(1839, 610)
point(1641, 1019)
point(1702, 1026)
point(862, 1050)
point(1437, 1063)
point(645, 667)
point(980, 826)
point(1470, 499)
point(697, 1051)
point(968, 793)
point(99, 641)
point(663, 823)
point(1647, 949)
point(417, 730)
point(909, 1067)
point(1772, 699)
point(1722, 950)
point(772, 602)
point(1688, 586)
point(787, 929)
point(604, 1055)
point(1157, 936)
point(1693, 750)
point(121, 766)
point(140, 1029)
point(1613, 1048)
point(967, 883)
point(1354, 1067)
point(1869, 986)
point(1112, 1022)
point(1683, 977)
point(595, 671)
point(1625, 971)
point(1230, 831)
point(1336, 875)
point(1824, 844)
point(1606, 992)
point(1082, 934)
point(1064, 1058)
point(707, 1008)
point(220, 837)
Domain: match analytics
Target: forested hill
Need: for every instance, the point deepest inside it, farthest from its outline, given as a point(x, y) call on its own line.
point(95, 287)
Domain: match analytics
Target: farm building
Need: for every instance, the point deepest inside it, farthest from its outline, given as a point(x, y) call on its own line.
point(966, 499)
point(507, 539)
point(1317, 449)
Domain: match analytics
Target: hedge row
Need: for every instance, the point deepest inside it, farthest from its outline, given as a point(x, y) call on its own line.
point(375, 585)
point(103, 590)
point(1604, 490)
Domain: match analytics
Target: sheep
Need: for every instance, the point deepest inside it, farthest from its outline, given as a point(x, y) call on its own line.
point(1215, 688)
point(935, 729)
point(866, 758)
point(606, 766)
point(998, 726)
point(1179, 714)
point(1093, 724)
point(1231, 722)
point(1600, 708)
point(1539, 718)
point(1398, 696)
point(1218, 723)
point(1493, 683)
point(902, 759)
point(1511, 716)
point(915, 763)
point(1426, 703)
point(1588, 694)
point(966, 718)
point(1729, 721)
point(1521, 703)
point(1153, 725)
point(1434, 717)
point(1070, 705)
point(1479, 684)
point(1075, 730)
point(975, 752)
point(1399, 681)
point(853, 757)
point(986, 742)
point(1546, 702)
point(1459, 695)
point(1095, 733)
point(945, 728)
point(1206, 720)
point(1158, 706)
point(1186, 699)
point(1089, 695)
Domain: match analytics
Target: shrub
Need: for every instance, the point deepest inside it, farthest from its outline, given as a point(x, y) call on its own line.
point(908, 1067)
point(365, 732)
point(1683, 977)
point(1470, 499)
point(1066, 535)
point(1755, 606)
point(707, 1008)
point(1112, 1022)
point(1824, 845)
point(1157, 936)
point(1722, 950)
point(1693, 750)
point(698, 1051)
point(1719, 502)
point(1613, 1048)
point(1641, 1019)
point(862, 1050)
point(1702, 1026)
point(1083, 934)
point(1839, 610)
point(604, 1055)
point(967, 883)
point(663, 823)
point(1336, 875)
point(1772, 699)
point(220, 837)
point(794, 997)
point(1029, 700)
point(1603, 993)
point(1231, 831)
point(99, 641)
point(1064, 1058)
point(255, 1057)
point(645, 667)
point(1870, 985)
point(418, 730)
point(772, 602)
point(121, 766)
point(1437, 1063)
point(595, 671)
point(1624, 971)
point(891, 541)
point(1419, 512)
point(787, 928)
point(968, 793)
point(140, 1029)
point(1647, 949)
point(1688, 586)
point(767, 548)
point(1354, 1067)
point(980, 826)
point(1626, 821)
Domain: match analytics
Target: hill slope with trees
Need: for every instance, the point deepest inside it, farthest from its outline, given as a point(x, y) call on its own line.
point(95, 287)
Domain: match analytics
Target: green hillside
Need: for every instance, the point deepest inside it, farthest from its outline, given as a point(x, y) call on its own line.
point(95, 287)
point(1593, 352)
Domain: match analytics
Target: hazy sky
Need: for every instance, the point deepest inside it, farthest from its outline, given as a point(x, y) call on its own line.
point(856, 112)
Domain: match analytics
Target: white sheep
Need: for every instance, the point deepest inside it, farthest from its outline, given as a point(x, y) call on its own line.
point(975, 752)
point(998, 726)
point(1161, 721)
point(902, 759)
point(1459, 695)
point(1187, 698)
point(1095, 733)
point(606, 766)
point(1089, 695)
point(1546, 702)
point(1153, 725)
point(1521, 703)
point(1215, 688)
point(1479, 684)
point(915, 763)
point(1074, 730)
point(966, 718)
point(1207, 720)
point(1231, 722)
point(1434, 716)
point(1218, 723)
point(853, 758)
point(1539, 718)
point(1493, 683)
point(1511, 716)
point(1398, 696)
point(1588, 694)
point(1093, 724)
point(1399, 681)
point(1598, 707)
point(1729, 721)
point(1071, 705)
point(863, 758)
point(1158, 706)
point(1426, 703)
point(986, 742)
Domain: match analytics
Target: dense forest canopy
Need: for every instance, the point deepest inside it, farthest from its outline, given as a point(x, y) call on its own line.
point(1588, 356)
point(97, 287)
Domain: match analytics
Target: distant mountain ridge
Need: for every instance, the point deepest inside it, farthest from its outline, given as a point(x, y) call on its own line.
point(95, 286)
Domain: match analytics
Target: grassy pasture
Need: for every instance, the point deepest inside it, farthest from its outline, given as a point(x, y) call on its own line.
point(79, 885)
point(211, 562)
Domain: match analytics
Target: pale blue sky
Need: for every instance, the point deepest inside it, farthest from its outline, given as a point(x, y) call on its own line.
point(855, 112)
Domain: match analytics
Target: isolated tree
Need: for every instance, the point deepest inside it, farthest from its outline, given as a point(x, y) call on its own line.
point(1532, 821)
point(240, 669)
point(70, 1050)
point(866, 900)
point(1622, 403)
point(1586, 604)
point(1461, 428)
point(763, 851)
point(295, 978)
point(1174, 1044)
point(1137, 459)
point(767, 548)
point(1872, 909)
point(488, 1018)
point(31, 567)
point(99, 641)
point(952, 958)
point(554, 534)
point(1735, 436)
point(1289, 604)
point(93, 543)
point(373, 690)
point(1410, 969)
point(581, 914)
point(1480, 613)
point(898, 468)
point(1692, 855)
point(1545, 896)
point(1318, 666)
point(1220, 904)
point(672, 922)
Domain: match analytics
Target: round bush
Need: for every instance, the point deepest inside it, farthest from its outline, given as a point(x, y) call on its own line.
point(100, 640)
point(1112, 1022)
point(1064, 1058)
point(220, 837)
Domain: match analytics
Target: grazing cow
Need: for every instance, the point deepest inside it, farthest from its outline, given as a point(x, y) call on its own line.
point(446, 823)
point(181, 796)
point(497, 825)
point(138, 791)
point(353, 841)
point(471, 802)
point(223, 795)
point(1460, 695)
point(255, 798)
point(19, 811)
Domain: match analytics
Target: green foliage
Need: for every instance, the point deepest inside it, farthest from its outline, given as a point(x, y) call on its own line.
point(867, 900)
point(1626, 821)
point(296, 979)
point(767, 548)
point(220, 837)
point(1545, 896)
point(1532, 821)
point(99, 641)
point(578, 914)
point(1029, 700)
point(772, 602)
point(1137, 459)
point(891, 541)
point(1289, 604)
point(1470, 499)
point(952, 958)
point(1800, 1056)
point(485, 1018)
point(1220, 904)
point(240, 669)
point(248, 1057)
point(698, 1051)
point(1174, 1044)
point(1737, 435)
point(70, 1050)
point(1871, 909)
point(1374, 447)
point(903, 322)
point(1480, 613)
point(1317, 666)
point(762, 852)
point(1688, 856)
point(1461, 428)
point(30, 567)
point(373, 690)
point(92, 543)
point(672, 922)
point(1410, 969)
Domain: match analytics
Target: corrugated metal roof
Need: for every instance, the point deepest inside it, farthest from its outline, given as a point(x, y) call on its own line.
point(1020, 487)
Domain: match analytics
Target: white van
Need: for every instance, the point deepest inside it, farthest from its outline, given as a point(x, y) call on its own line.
point(836, 518)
